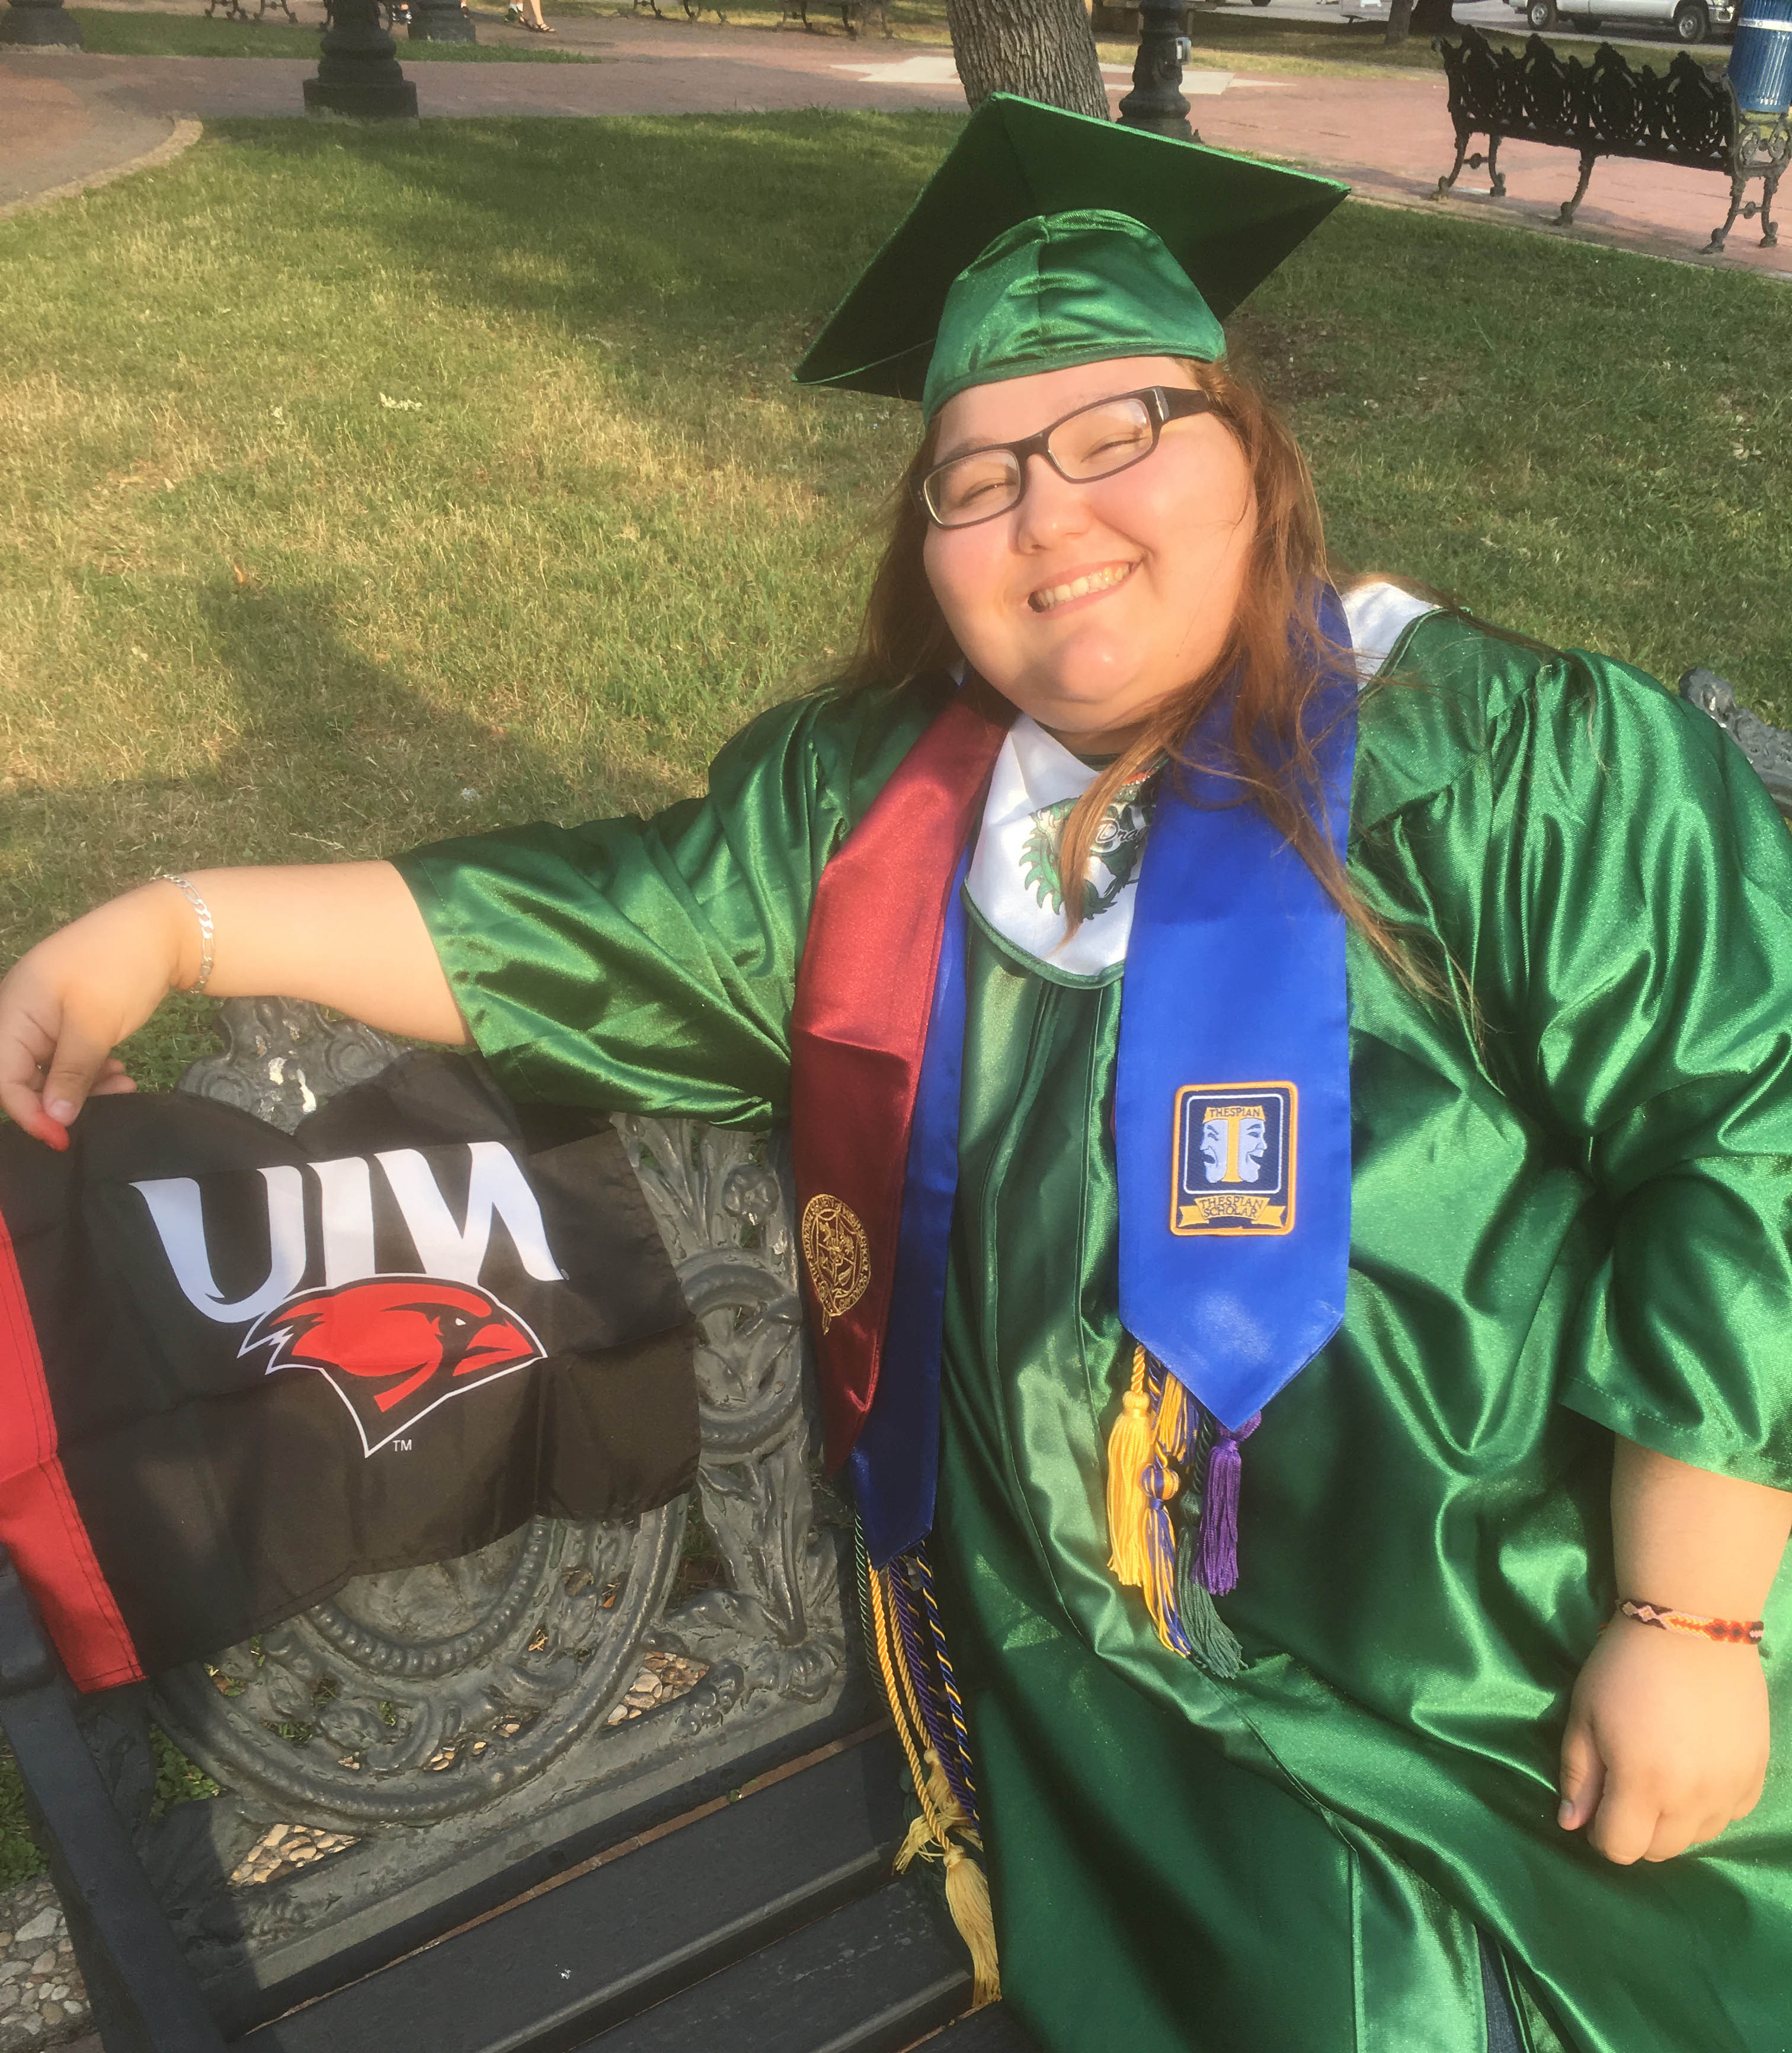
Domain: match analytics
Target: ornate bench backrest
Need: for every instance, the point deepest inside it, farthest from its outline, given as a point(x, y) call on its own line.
point(570, 1674)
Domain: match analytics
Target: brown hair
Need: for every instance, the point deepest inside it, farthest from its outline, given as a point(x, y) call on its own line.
point(1277, 653)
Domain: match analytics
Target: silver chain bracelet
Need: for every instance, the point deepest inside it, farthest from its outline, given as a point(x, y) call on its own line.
point(182, 884)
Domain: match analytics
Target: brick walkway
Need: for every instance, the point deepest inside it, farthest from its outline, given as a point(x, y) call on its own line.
point(66, 114)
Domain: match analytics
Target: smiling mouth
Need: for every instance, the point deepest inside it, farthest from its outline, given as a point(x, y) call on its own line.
point(1104, 580)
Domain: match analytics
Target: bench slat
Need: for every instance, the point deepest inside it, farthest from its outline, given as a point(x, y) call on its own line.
point(996, 2030)
point(872, 1977)
point(580, 1958)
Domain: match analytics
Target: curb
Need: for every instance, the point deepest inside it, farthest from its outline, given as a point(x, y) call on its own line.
point(184, 135)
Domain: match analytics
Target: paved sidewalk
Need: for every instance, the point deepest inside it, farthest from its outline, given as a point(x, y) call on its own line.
point(64, 113)
point(1390, 136)
point(53, 134)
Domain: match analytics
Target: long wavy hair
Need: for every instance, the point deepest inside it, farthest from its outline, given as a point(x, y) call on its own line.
point(1277, 654)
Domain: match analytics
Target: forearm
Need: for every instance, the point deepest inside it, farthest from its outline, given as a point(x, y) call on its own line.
point(1693, 1540)
point(347, 934)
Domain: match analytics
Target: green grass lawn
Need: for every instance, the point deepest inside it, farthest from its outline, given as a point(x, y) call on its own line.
point(358, 485)
point(107, 32)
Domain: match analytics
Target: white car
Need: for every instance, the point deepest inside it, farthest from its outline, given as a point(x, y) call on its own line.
point(1691, 21)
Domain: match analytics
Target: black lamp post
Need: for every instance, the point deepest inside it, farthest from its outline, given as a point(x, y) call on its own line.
point(1156, 101)
point(40, 21)
point(441, 22)
point(357, 70)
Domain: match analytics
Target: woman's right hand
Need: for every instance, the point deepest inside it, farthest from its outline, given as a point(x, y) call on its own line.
point(68, 1004)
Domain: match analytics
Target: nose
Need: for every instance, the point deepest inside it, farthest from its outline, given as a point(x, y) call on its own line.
point(1050, 507)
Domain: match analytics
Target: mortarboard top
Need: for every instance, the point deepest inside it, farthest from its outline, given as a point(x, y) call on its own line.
point(1228, 222)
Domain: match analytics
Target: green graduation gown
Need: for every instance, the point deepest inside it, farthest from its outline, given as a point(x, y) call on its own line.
point(1569, 1219)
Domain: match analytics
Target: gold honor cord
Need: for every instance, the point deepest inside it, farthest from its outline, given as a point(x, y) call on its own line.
point(923, 1573)
point(943, 1831)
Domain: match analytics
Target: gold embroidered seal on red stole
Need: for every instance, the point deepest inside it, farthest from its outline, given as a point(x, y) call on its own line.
point(837, 1255)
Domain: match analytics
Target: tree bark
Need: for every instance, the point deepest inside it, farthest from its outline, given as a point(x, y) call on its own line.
point(1043, 49)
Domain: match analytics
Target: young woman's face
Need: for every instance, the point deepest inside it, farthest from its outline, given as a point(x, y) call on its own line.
point(1160, 550)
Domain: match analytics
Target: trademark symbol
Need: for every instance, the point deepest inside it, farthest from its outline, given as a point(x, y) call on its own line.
point(401, 1447)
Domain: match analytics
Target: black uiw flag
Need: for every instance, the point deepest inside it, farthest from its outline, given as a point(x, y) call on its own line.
point(237, 1369)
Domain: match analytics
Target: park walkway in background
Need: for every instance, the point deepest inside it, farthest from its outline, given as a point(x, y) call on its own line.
point(66, 115)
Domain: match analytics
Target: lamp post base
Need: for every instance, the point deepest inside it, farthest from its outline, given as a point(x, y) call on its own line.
point(46, 24)
point(357, 71)
point(362, 101)
point(1156, 101)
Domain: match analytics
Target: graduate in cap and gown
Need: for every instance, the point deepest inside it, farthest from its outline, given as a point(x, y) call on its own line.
point(1289, 1098)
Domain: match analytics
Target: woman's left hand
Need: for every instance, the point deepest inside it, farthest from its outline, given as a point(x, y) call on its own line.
point(1666, 1743)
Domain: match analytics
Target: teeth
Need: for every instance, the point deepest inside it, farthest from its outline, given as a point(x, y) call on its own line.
point(1056, 595)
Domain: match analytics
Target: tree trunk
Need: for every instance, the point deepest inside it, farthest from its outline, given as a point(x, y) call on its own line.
point(1428, 17)
point(1043, 49)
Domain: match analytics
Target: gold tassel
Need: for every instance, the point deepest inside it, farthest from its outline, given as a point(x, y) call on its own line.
point(1173, 1419)
point(1151, 1432)
point(950, 1811)
point(918, 1840)
point(967, 1897)
point(1129, 1450)
point(967, 1889)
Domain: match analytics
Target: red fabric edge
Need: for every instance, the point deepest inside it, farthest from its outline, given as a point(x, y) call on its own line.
point(42, 1529)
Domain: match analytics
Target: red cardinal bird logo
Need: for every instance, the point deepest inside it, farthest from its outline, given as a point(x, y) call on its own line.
point(395, 1347)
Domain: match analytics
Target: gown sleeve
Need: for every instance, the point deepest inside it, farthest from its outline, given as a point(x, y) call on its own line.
point(650, 965)
point(1614, 886)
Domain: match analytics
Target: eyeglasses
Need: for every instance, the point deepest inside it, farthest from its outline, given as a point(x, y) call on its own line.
point(1094, 441)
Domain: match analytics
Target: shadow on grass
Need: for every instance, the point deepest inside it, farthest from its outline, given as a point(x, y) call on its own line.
point(387, 768)
point(305, 694)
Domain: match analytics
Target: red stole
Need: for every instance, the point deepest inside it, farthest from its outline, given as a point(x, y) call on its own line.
point(865, 988)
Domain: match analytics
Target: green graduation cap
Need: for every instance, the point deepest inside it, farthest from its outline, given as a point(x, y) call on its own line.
point(1047, 239)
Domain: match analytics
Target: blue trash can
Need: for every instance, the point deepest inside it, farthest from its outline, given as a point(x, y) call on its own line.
point(1761, 62)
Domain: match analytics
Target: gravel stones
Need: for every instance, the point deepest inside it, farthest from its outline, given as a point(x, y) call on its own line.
point(281, 1850)
point(662, 1678)
point(42, 2002)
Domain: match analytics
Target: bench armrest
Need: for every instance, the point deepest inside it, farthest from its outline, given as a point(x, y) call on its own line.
point(145, 1998)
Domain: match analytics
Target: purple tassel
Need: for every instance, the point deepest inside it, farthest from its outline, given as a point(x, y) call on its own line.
point(1217, 1567)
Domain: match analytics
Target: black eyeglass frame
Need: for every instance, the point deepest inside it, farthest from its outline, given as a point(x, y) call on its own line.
point(1162, 405)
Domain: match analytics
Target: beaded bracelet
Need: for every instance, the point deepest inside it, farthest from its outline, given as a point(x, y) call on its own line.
point(1735, 1629)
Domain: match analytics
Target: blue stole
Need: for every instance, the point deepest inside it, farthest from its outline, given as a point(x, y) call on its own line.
point(1232, 1125)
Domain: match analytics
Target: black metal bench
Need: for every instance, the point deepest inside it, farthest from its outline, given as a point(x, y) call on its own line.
point(854, 14)
point(580, 1716)
point(1686, 115)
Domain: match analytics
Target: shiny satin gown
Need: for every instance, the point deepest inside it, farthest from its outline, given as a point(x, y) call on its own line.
point(1571, 1200)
